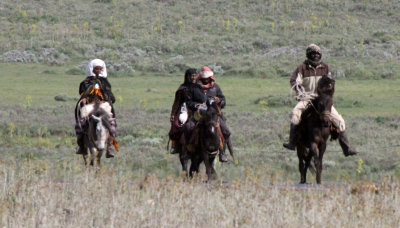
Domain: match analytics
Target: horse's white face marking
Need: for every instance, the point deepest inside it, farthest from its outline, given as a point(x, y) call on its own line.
point(212, 129)
point(101, 133)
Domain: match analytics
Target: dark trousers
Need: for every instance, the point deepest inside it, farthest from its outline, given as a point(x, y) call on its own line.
point(224, 128)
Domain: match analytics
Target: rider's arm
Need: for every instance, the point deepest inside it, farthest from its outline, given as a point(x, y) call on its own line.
point(195, 97)
point(83, 87)
point(177, 103)
point(297, 73)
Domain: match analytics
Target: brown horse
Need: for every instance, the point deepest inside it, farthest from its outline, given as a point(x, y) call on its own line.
point(209, 141)
point(314, 129)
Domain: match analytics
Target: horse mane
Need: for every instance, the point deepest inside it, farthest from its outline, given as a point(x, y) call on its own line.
point(105, 117)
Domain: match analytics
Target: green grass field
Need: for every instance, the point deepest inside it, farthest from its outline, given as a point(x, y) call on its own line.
point(38, 160)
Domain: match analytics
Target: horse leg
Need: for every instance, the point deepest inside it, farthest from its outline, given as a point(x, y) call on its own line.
point(98, 158)
point(315, 153)
point(85, 157)
point(183, 160)
point(90, 156)
point(207, 164)
point(194, 166)
point(322, 149)
point(302, 169)
point(307, 164)
point(213, 162)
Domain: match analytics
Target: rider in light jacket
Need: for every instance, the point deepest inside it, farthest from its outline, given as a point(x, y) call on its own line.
point(306, 78)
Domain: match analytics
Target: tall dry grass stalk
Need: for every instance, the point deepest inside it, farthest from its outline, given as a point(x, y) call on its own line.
point(109, 200)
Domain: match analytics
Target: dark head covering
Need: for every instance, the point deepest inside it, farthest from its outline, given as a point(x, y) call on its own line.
point(189, 73)
point(313, 48)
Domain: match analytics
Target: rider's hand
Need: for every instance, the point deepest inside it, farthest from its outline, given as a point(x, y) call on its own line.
point(84, 100)
point(217, 100)
point(172, 118)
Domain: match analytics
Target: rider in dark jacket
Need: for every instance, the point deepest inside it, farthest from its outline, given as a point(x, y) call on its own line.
point(212, 90)
point(181, 94)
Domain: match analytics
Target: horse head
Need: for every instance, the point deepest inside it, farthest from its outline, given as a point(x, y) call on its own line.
point(210, 127)
point(326, 85)
point(100, 128)
point(323, 105)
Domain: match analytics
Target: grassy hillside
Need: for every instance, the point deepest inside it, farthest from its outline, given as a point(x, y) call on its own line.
point(360, 39)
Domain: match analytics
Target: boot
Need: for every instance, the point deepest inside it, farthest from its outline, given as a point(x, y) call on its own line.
point(81, 147)
point(222, 156)
point(291, 145)
point(344, 143)
point(109, 153)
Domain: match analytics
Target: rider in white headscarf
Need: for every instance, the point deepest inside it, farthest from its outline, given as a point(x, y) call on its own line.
point(95, 63)
point(96, 76)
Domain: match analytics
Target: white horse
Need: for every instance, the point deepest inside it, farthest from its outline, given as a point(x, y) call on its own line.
point(97, 135)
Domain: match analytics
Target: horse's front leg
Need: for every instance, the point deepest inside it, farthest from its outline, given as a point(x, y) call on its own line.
point(184, 160)
point(213, 162)
point(321, 148)
point(98, 158)
point(207, 163)
point(90, 156)
point(317, 161)
point(302, 168)
point(195, 164)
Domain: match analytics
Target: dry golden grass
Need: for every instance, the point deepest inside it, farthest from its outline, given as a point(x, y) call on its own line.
point(31, 198)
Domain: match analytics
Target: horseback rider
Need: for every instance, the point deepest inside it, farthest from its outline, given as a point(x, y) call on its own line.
point(179, 110)
point(305, 80)
point(194, 99)
point(96, 76)
point(210, 89)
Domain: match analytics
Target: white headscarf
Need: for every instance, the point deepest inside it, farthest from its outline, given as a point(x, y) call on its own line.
point(94, 63)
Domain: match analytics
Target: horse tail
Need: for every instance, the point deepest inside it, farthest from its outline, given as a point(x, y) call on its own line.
point(311, 167)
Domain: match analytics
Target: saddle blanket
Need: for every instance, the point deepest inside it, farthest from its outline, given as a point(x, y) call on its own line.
point(86, 110)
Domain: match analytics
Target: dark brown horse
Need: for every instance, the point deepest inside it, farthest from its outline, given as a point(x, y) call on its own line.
point(209, 141)
point(314, 129)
